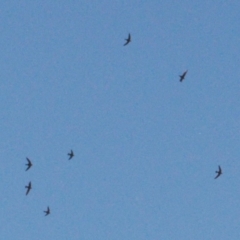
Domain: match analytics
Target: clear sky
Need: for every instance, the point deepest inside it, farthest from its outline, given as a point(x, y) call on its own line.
point(146, 146)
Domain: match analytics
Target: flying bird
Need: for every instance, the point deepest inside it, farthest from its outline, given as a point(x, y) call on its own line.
point(47, 211)
point(128, 40)
point(183, 76)
point(29, 164)
point(71, 155)
point(29, 187)
point(219, 172)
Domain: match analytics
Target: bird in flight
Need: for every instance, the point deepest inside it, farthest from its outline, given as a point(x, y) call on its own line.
point(71, 155)
point(29, 164)
point(128, 40)
point(29, 187)
point(47, 211)
point(183, 76)
point(219, 172)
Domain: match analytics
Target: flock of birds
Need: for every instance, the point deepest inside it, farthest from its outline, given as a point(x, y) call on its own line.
point(29, 186)
point(71, 154)
point(182, 77)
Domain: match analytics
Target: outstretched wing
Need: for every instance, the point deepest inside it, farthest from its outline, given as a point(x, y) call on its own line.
point(218, 174)
point(29, 162)
point(27, 191)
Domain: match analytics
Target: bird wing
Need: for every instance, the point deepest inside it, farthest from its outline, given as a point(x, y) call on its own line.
point(217, 175)
point(28, 189)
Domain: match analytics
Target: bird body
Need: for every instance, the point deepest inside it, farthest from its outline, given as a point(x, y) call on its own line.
point(47, 211)
point(29, 187)
point(219, 172)
point(128, 40)
point(29, 164)
point(183, 76)
point(71, 155)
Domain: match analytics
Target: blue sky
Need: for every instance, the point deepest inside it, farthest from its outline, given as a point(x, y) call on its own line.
point(146, 146)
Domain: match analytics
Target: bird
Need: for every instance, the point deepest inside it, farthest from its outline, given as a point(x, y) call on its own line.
point(71, 155)
point(29, 187)
point(183, 76)
point(47, 211)
point(128, 40)
point(219, 172)
point(29, 164)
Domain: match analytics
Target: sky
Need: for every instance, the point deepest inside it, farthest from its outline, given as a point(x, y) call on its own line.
point(146, 145)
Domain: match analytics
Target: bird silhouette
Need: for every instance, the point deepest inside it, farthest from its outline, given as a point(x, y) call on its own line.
point(29, 164)
point(47, 211)
point(71, 155)
point(219, 172)
point(29, 187)
point(183, 76)
point(128, 40)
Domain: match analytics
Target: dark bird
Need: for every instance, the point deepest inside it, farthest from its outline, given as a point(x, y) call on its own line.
point(128, 40)
point(219, 172)
point(47, 212)
point(29, 164)
point(71, 155)
point(29, 187)
point(183, 76)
